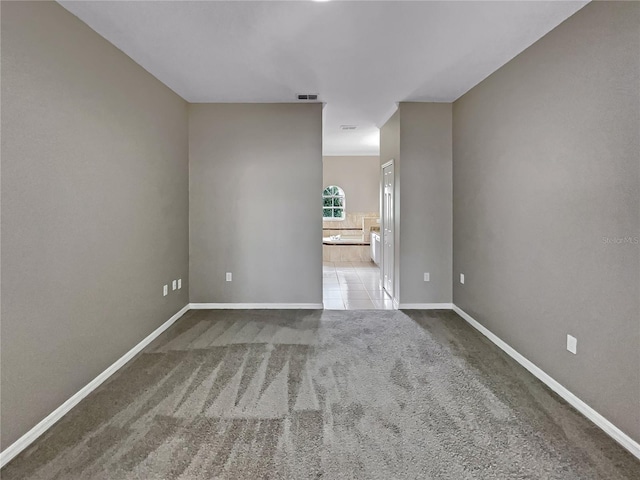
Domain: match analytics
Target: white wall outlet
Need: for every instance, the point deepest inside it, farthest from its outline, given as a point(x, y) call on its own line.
point(179, 283)
point(174, 285)
point(462, 278)
point(572, 344)
point(229, 276)
point(165, 290)
point(426, 277)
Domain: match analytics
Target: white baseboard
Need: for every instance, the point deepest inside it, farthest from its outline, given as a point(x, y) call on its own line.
point(425, 306)
point(396, 303)
point(256, 306)
point(608, 427)
point(28, 438)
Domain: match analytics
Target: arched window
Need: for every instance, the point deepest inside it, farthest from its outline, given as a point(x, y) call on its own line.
point(333, 203)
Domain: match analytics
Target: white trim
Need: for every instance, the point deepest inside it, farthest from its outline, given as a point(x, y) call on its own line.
point(608, 427)
point(396, 303)
point(28, 438)
point(254, 306)
point(425, 306)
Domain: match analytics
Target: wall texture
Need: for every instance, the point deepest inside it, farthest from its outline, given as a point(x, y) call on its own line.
point(426, 227)
point(255, 203)
point(359, 177)
point(94, 208)
point(547, 206)
point(418, 138)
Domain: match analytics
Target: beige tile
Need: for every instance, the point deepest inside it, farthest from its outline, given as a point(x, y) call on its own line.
point(346, 287)
point(368, 275)
point(349, 253)
point(383, 304)
point(360, 305)
point(332, 294)
point(346, 270)
point(333, 253)
point(365, 264)
point(378, 295)
point(334, 305)
point(348, 278)
point(355, 295)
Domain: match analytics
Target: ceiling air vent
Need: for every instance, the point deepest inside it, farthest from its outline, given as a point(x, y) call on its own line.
point(348, 127)
point(307, 96)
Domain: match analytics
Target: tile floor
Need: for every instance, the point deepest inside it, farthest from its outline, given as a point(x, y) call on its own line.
point(353, 286)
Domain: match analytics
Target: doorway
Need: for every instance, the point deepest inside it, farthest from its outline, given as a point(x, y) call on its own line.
point(351, 233)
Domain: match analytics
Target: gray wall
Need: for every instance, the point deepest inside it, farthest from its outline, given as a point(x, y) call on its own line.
point(546, 168)
point(418, 138)
point(426, 227)
point(256, 198)
point(94, 208)
point(359, 177)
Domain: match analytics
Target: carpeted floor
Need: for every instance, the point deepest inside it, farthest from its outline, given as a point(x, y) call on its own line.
point(333, 395)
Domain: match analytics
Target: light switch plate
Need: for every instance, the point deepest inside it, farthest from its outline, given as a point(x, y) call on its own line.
point(165, 290)
point(427, 277)
point(174, 285)
point(572, 344)
point(179, 283)
point(462, 278)
point(229, 276)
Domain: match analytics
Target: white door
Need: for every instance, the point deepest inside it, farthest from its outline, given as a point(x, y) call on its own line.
point(387, 227)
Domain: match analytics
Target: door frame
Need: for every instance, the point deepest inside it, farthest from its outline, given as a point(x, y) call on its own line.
point(383, 259)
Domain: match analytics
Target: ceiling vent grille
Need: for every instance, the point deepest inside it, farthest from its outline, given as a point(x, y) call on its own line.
point(348, 127)
point(307, 96)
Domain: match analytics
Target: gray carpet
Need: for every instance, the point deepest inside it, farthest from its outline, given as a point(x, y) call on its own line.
point(332, 395)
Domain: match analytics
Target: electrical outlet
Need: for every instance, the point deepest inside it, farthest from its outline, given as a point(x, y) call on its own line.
point(462, 278)
point(572, 344)
point(165, 290)
point(174, 285)
point(179, 283)
point(229, 276)
point(426, 276)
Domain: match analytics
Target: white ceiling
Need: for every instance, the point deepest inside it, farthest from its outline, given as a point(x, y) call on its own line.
point(361, 57)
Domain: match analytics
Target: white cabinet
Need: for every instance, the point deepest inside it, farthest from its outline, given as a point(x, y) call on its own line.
point(375, 247)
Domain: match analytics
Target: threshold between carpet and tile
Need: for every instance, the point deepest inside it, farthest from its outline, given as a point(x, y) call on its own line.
point(298, 394)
